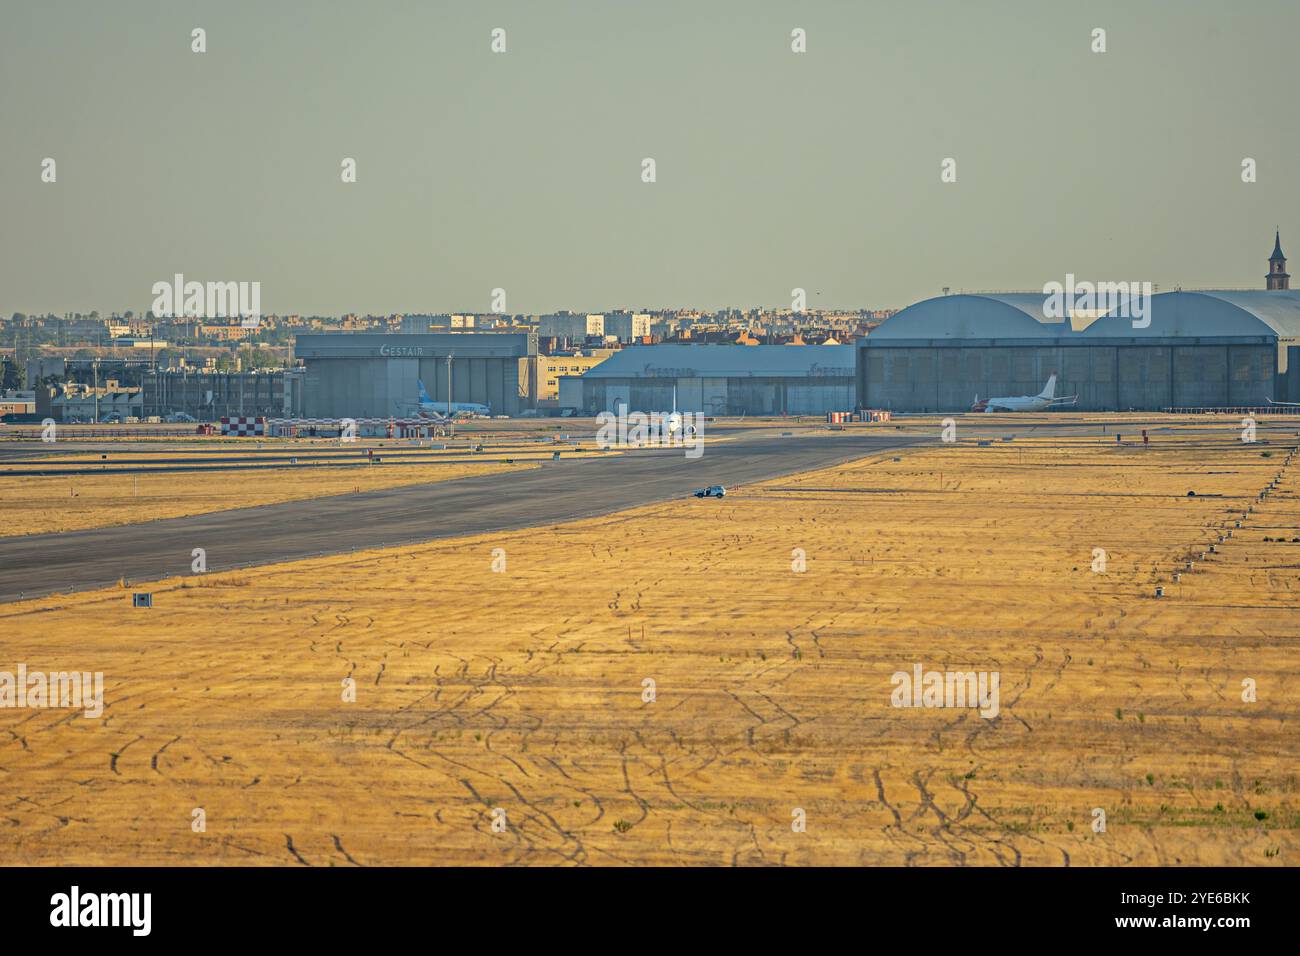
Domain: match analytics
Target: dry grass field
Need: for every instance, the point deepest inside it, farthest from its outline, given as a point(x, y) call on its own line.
point(523, 689)
point(37, 505)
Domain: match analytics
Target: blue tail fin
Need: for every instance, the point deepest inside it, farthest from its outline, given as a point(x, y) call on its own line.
point(424, 396)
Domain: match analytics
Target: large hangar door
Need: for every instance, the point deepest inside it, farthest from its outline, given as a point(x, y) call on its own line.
point(1250, 371)
point(402, 387)
point(477, 380)
point(689, 397)
point(313, 390)
point(953, 392)
point(1132, 378)
point(571, 392)
point(616, 396)
point(434, 373)
point(1200, 375)
point(370, 386)
point(803, 400)
point(818, 399)
point(340, 389)
point(878, 394)
point(713, 396)
point(1024, 377)
point(1104, 387)
point(1144, 378)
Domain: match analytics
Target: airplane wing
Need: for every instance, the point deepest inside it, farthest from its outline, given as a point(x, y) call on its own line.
point(413, 410)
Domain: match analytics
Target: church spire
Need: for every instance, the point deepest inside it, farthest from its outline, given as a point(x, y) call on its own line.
point(1277, 278)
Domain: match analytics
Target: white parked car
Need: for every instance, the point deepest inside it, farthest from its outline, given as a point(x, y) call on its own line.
point(713, 491)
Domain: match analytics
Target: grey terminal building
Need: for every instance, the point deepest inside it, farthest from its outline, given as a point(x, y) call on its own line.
point(1200, 349)
point(377, 375)
point(717, 380)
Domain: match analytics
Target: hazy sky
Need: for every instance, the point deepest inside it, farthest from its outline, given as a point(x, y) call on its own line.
point(522, 170)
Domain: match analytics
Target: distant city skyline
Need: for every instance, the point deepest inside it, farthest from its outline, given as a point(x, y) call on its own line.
point(522, 170)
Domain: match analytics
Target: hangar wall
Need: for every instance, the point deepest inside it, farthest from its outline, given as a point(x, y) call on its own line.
point(719, 395)
point(1201, 348)
point(375, 375)
point(1150, 376)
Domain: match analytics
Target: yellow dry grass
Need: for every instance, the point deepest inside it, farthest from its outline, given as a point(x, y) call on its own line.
point(37, 505)
point(523, 689)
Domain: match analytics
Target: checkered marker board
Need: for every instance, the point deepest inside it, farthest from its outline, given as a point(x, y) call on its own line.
point(243, 425)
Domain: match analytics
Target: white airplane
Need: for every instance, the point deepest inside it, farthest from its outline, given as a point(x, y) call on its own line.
point(674, 424)
point(428, 408)
point(1025, 403)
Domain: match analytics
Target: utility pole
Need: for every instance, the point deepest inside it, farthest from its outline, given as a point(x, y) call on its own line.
point(95, 366)
point(450, 356)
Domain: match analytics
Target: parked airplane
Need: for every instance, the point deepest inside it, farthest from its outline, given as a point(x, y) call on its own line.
point(428, 408)
point(1025, 403)
point(674, 424)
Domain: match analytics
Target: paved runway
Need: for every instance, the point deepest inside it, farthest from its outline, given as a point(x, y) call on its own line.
point(32, 565)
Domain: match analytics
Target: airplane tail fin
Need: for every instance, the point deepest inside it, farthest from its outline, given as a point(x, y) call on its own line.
point(424, 396)
point(1049, 390)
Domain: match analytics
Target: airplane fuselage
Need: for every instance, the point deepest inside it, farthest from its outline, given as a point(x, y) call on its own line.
point(1020, 403)
point(1024, 403)
point(440, 409)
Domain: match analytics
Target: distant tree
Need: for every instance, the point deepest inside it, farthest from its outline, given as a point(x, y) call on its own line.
point(12, 375)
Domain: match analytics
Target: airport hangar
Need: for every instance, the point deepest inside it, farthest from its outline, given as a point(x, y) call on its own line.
point(1201, 349)
point(376, 375)
point(717, 380)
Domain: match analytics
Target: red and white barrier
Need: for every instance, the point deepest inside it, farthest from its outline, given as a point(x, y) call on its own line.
point(242, 426)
